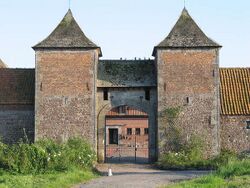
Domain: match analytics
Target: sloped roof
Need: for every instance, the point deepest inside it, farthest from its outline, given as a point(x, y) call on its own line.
point(186, 34)
point(235, 91)
point(17, 86)
point(2, 64)
point(67, 34)
point(126, 73)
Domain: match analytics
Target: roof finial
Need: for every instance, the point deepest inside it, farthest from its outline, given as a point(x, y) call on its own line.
point(69, 4)
point(184, 3)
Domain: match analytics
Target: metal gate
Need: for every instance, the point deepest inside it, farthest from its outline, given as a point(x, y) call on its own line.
point(134, 152)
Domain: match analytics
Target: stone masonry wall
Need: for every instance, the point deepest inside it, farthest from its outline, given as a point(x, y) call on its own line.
point(16, 122)
point(189, 79)
point(234, 133)
point(65, 94)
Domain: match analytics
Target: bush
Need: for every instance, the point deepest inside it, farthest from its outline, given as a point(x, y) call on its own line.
point(46, 155)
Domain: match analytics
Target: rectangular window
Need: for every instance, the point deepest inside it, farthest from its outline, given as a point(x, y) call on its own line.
point(248, 125)
point(122, 109)
point(137, 131)
point(105, 95)
point(129, 131)
point(146, 131)
point(147, 94)
point(213, 73)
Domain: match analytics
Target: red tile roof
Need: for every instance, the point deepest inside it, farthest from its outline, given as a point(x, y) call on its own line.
point(17, 86)
point(235, 91)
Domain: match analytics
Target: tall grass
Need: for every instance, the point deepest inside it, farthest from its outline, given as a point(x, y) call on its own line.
point(46, 156)
point(235, 174)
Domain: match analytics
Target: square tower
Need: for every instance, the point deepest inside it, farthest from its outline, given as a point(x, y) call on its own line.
point(66, 64)
point(187, 64)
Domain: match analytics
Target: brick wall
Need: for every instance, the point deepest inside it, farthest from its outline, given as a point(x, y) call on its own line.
point(65, 94)
point(16, 122)
point(234, 133)
point(189, 79)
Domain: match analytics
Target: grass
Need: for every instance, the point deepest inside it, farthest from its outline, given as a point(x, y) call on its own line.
point(236, 174)
point(48, 180)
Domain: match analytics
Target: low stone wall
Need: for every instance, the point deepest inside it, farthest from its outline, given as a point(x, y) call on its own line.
point(234, 133)
point(16, 122)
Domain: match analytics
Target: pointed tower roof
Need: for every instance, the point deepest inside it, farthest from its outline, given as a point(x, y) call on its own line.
point(67, 34)
point(186, 34)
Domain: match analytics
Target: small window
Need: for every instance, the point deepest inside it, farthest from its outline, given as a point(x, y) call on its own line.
point(105, 95)
point(188, 100)
point(248, 125)
point(41, 86)
point(129, 131)
point(122, 109)
point(147, 94)
point(137, 131)
point(146, 131)
point(213, 73)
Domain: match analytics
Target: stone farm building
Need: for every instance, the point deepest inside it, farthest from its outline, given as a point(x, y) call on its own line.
point(117, 104)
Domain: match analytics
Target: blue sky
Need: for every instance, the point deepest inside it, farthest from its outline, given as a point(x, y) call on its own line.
point(123, 28)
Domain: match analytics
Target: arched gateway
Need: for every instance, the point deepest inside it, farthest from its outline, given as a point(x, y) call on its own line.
point(126, 133)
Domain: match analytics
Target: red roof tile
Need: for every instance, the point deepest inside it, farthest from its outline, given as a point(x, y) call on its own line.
point(235, 91)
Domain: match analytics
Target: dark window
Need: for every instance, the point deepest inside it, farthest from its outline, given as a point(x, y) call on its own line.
point(41, 86)
point(213, 73)
point(248, 124)
point(122, 109)
point(137, 131)
point(146, 131)
point(129, 131)
point(87, 86)
point(147, 94)
point(113, 136)
point(165, 86)
point(105, 95)
point(189, 100)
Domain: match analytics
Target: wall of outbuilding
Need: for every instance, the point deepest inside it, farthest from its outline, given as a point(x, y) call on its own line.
point(16, 123)
point(234, 133)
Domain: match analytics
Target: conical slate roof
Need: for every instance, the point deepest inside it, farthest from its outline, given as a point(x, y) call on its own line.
point(186, 34)
point(67, 34)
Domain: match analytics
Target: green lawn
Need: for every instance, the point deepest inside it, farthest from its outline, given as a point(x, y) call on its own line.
point(51, 180)
point(236, 174)
point(212, 181)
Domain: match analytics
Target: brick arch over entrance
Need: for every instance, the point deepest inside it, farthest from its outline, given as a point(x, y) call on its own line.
point(103, 111)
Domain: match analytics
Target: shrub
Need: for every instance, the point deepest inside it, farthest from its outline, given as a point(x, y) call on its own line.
point(187, 160)
point(46, 155)
point(234, 168)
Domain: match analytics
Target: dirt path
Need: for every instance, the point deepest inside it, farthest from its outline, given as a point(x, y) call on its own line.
point(138, 176)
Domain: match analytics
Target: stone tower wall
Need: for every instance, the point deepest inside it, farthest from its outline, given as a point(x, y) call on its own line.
point(189, 79)
point(65, 94)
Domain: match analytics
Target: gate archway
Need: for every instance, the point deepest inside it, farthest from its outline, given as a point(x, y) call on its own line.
point(126, 135)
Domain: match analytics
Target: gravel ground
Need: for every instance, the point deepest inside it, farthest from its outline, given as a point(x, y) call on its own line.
point(138, 176)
